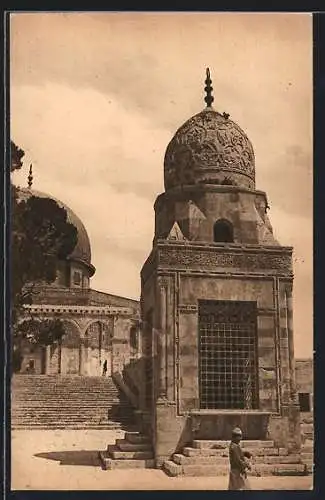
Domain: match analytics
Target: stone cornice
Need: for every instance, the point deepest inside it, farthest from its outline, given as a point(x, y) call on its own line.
point(79, 310)
point(222, 247)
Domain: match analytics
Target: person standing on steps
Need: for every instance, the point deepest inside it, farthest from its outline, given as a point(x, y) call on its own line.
point(105, 368)
point(238, 463)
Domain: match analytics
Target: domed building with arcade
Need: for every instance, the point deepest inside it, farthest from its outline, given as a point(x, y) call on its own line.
point(97, 325)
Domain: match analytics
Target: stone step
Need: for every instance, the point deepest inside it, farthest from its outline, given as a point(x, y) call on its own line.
point(307, 456)
point(129, 425)
point(124, 445)
point(189, 451)
point(68, 421)
point(64, 387)
point(67, 404)
point(136, 438)
point(307, 425)
point(66, 381)
point(64, 422)
point(113, 411)
point(307, 449)
point(210, 460)
point(71, 411)
point(111, 464)
point(218, 444)
point(72, 398)
point(76, 396)
point(67, 427)
point(48, 388)
point(63, 425)
point(56, 402)
point(48, 383)
point(71, 416)
point(106, 410)
point(72, 408)
point(130, 455)
point(174, 469)
point(59, 379)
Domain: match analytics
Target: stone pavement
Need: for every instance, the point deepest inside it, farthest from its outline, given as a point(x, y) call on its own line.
point(67, 460)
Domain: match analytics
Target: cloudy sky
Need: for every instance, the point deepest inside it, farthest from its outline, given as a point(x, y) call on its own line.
point(96, 97)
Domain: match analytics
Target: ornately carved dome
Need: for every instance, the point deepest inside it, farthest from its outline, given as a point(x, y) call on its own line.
point(82, 250)
point(210, 149)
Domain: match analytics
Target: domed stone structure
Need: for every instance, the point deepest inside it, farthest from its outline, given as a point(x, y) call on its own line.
point(95, 323)
point(77, 269)
point(216, 299)
point(210, 149)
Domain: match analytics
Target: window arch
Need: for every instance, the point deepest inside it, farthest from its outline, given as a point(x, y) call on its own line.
point(223, 231)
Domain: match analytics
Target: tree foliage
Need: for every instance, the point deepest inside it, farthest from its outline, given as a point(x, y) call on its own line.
point(40, 332)
point(17, 155)
point(40, 236)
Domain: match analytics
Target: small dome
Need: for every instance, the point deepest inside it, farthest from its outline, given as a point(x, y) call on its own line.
point(82, 250)
point(210, 149)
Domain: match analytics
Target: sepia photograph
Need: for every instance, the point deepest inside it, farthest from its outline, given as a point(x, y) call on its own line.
point(161, 191)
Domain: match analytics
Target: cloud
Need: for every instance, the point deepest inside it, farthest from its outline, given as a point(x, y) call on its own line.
point(152, 62)
point(88, 139)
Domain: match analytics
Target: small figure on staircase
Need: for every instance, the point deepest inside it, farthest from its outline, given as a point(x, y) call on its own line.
point(105, 368)
point(238, 463)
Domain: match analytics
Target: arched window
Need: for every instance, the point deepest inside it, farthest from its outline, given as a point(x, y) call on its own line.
point(223, 232)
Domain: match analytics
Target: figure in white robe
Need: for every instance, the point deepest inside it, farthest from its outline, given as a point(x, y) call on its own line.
point(239, 464)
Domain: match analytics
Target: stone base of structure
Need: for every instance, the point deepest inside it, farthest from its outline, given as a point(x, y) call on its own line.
point(173, 431)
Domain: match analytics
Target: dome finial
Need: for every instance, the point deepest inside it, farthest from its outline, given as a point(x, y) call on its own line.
point(30, 176)
point(208, 89)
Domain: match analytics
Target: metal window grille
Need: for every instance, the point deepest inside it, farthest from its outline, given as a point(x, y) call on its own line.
point(228, 355)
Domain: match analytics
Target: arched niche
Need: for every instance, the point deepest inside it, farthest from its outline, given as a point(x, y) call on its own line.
point(223, 231)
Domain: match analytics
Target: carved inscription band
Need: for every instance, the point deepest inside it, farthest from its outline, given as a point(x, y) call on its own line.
point(209, 260)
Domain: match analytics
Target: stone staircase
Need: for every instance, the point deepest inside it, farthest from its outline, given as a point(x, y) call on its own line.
point(68, 402)
point(132, 452)
point(210, 458)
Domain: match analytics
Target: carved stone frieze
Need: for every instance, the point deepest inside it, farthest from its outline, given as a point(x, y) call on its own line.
point(211, 259)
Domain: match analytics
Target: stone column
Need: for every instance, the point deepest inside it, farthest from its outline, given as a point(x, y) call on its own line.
point(82, 357)
point(47, 359)
point(293, 411)
point(293, 395)
point(162, 391)
point(113, 356)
